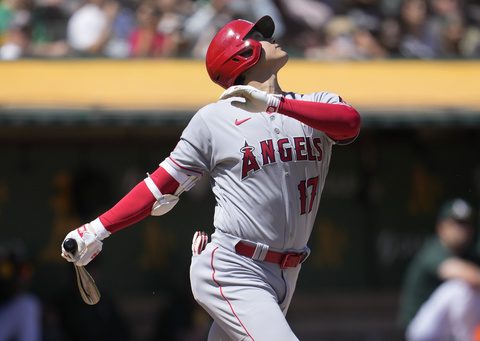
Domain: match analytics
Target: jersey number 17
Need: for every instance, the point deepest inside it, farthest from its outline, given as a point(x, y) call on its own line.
point(303, 188)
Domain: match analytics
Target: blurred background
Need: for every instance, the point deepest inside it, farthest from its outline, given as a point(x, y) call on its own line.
point(94, 94)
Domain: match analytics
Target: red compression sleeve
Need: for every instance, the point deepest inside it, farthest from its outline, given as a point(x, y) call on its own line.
point(137, 204)
point(340, 122)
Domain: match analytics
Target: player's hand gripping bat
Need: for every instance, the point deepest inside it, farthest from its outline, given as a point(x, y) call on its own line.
point(86, 285)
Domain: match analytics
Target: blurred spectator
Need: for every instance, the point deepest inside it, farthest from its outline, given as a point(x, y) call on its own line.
point(338, 43)
point(318, 29)
point(13, 11)
point(445, 8)
point(417, 37)
point(470, 44)
point(32, 31)
point(200, 27)
point(454, 37)
point(367, 45)
point(389, 8)
point(447, 22)
point(441, 292)
point(49, 27)
point(173, 14)
point(123, 26)
point(5, 17)
point(305, 19)
point(365, 14)
point(15, 30)
point(20, 310)
point(310, 14)
point(451, 35)
point(344, 40)
point(390, 37)
point(90, 30)
point(145, 40)
point(16, 42)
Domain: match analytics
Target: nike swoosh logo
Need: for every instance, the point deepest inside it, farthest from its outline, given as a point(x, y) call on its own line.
point(238, 122)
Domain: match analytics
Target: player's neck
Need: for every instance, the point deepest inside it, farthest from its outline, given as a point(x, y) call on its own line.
point(269, 85)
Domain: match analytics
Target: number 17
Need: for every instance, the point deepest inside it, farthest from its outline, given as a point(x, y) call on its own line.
point(302, 188)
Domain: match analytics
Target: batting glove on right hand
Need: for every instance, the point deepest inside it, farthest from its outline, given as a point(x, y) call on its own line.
point(255, 100)
point(89, 242)
point(199, 242)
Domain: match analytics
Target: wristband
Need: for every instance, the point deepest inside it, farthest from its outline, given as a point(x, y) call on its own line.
point(273, 103)
point(100, 231)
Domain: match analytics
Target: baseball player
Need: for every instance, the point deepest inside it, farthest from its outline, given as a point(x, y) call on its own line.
point(440, 298)
point(267, 153)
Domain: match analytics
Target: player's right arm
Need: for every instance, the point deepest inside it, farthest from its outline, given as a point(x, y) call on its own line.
point(155, 195)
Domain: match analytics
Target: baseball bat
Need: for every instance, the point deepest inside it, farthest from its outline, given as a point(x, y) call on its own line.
point(86, 285)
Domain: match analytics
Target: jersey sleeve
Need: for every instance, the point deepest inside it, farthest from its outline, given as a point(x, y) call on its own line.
point(193, 153)
point(325, 112)
point(332, 98)
point(328, 97)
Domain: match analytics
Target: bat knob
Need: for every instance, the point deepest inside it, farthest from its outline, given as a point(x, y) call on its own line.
point(70, 245)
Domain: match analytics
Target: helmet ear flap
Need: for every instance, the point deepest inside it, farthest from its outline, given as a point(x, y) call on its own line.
point(249, 54)
point(244, 55)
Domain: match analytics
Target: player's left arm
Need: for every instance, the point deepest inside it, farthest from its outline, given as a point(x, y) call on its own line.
point(339, 121)
point(156, 195)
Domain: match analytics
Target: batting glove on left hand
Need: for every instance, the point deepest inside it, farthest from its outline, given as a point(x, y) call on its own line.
point(255, 100)
point(89, 242)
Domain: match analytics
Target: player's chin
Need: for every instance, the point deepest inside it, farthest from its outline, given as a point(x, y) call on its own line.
point(281, 52)
point(283, 58)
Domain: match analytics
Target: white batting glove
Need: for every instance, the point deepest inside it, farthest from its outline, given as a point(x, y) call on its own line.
point(199, 242)
point(89, 242)
point(255, 100)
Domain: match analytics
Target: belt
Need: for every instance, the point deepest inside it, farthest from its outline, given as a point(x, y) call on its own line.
point(284, 259)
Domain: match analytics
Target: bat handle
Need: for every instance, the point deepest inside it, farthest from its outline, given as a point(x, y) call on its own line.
point(70, 245)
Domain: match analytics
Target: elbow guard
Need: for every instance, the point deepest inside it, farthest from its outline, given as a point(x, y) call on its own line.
point(164, 203)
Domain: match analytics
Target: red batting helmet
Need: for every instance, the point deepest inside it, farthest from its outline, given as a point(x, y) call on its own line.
point(229, 55)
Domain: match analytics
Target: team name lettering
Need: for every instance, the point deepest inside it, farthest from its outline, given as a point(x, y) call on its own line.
point(298, 149)
point(284, 150)
point(249, 162)
point(268, 152)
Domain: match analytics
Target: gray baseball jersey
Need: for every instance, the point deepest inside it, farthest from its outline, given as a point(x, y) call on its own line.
point(267, 173)
point(267, 170)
